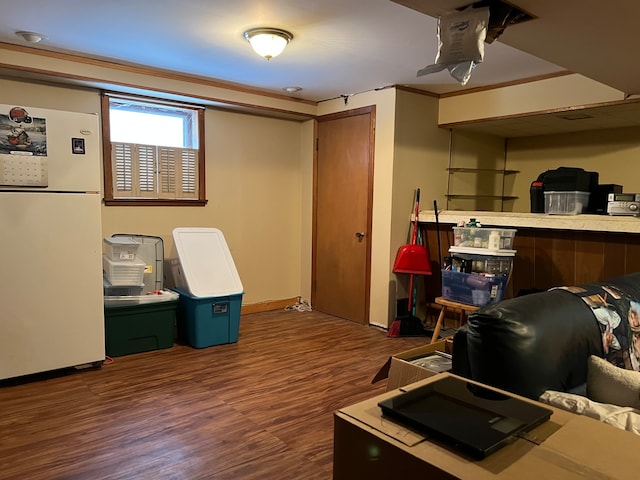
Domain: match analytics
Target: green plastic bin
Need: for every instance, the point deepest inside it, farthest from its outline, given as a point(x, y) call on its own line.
point(139, 328)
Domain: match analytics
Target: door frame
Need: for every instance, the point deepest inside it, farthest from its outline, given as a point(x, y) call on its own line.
point(371, 111)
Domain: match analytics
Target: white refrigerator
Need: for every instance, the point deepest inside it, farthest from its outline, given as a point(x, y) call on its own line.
point(51, 298)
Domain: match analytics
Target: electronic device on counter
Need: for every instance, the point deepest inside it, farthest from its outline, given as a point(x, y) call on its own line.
point(465, 416)
point(599, 197)
point(624, 197)
point(623, 204)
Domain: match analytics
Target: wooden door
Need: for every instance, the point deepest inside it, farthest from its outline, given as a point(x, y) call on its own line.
point(342, 214)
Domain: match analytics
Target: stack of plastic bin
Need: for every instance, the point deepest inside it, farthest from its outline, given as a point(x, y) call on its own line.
point(209, 286)
point(121, 266)
point(141, 316)
point(479, 267)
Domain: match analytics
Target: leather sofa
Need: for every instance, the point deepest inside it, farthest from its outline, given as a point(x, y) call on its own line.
point(538, 342)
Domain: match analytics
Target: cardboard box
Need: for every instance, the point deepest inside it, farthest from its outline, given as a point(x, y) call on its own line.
point(400, 371)
point(568, 446)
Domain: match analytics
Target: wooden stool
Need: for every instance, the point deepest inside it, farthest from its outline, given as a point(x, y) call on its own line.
point(445, 304)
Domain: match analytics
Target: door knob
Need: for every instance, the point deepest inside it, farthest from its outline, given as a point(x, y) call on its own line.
point(360, 235)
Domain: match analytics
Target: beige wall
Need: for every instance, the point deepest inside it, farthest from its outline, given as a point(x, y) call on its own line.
point(485, 153)
point(258, 180)
point(259, 187)
point(260, 170)
point(135, 80)
point(307, 140)
point(253, 181)
point(613, 153)
point(420, 161)
point(551, 94)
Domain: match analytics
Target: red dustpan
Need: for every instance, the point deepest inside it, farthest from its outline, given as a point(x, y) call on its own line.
point(413, 258)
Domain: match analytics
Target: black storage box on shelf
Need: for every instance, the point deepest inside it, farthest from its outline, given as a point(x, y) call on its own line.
point(562, 179)
point(570, 179)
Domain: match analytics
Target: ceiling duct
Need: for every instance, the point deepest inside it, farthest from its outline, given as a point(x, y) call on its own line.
point(501, 16)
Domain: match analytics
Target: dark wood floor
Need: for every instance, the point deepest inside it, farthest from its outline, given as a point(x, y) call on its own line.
point(261, 408)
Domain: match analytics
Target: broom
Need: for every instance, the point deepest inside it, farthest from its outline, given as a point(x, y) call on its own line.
point(413, 259)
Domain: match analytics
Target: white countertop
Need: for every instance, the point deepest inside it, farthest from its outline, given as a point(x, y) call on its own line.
point(594, 223)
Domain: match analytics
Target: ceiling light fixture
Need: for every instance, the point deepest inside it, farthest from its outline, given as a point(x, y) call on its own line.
point(292, 89)
point(30, 37)
point(268, 42)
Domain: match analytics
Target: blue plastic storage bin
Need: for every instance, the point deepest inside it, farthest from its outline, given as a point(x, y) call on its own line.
point(210, 289)
point(207, 321)
point(472, 289)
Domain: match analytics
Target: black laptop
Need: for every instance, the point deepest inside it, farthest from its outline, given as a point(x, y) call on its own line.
point(470, 418)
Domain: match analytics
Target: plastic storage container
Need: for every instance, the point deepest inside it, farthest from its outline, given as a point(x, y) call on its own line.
point(120, 249)
point(137, 299)
point(473, 289)
point(204, 266)
point(140, 328)
point(565, 203)
point(151, 252)
point(119, 290)
point(137, 320)
point(207, 321)
point(484, 237)
point(127, 272)
point(484, 261)
point(209, 286)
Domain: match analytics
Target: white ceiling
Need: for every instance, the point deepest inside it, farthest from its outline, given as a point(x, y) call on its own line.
point(340, 47)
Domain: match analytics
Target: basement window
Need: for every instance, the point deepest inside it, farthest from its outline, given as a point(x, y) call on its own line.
point(153, 151)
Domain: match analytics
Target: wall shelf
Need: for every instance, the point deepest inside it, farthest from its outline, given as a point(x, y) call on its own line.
point(482, 182)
